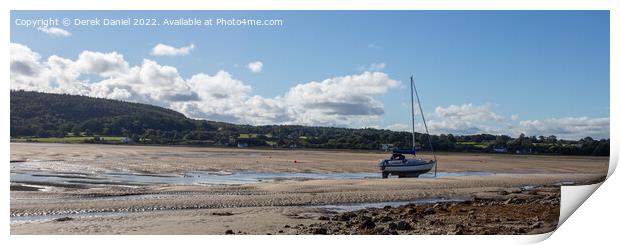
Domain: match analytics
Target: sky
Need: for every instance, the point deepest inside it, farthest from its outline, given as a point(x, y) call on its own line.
point(498, 72)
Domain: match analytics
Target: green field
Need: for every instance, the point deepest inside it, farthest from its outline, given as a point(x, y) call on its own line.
point(69, 139)
point(472, 143)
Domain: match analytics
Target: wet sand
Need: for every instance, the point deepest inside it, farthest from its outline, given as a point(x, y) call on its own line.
point(250, 208)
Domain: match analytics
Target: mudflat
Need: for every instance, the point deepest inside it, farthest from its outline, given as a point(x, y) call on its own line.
point(128, 189)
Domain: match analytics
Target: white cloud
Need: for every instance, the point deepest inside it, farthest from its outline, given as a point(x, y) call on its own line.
point(465, 119)
point(373, 67)
point(568, 127)
point(373, 46)
point(476, 119)
point(55, 31)
point(468, 112)
point(102, 64)
point(349, 100)
point(399, 127)
point(344, 101)
point(514, 117)
point(167, 50)
point(255, 66)
point(339, 100)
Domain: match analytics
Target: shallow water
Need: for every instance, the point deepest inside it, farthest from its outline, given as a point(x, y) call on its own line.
point(334, 208)
point(348, 207)
point(110, 178)
point(60, 174)
point(48, 217)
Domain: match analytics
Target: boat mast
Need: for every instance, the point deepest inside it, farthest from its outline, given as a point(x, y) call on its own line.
point(412, 118)
point(424, 120)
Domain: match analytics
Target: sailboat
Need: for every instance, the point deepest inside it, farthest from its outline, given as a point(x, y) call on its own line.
point(398, 164)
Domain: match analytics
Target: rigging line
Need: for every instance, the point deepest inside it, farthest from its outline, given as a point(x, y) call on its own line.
point(423, 119)
point(412, 119)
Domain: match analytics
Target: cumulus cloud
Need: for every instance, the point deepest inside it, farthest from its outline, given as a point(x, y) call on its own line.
point(339, 99)
point(55, 31)
point(349, 100)
point(514, 117)
point(255, 66)
point(373, 67)
point(344, 101)
point(102, 64)
point(568, 127)
point(399, 127)
point(476, 119)
point(468, 112)
point(167, 50)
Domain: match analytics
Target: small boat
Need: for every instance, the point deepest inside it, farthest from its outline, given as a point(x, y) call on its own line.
point(398, 164)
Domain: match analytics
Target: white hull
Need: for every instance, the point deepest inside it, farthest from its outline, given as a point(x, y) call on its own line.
point(405, 168)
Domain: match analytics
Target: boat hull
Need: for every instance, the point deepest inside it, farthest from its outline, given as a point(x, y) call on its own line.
point(405, 168)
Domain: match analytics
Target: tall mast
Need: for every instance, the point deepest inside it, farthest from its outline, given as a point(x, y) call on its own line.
point(412, 119)
point(424, 120)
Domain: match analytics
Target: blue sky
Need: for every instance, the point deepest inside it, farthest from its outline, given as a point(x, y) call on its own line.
point(537, 72)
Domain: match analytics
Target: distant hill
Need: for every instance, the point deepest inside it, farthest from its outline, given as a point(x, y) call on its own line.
point(44, 115)
point(36, 115)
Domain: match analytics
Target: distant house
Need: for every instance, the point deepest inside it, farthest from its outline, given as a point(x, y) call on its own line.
point(387, 147)
point(524, 151)
point(125, 140)
point(242, 144)
point(500, 150)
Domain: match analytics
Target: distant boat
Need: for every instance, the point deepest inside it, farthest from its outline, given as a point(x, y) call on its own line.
point(398, 164)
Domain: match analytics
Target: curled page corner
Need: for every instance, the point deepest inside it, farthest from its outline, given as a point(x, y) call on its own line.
point(572, 197)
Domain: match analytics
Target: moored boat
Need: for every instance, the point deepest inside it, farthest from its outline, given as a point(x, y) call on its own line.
point(398, 164)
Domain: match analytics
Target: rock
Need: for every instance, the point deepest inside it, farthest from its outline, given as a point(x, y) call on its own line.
point(229, 232)
point(387, 207)
point(280, 231)
point(367, 224)
point(386, 219)
point(392, 226)
point(222, 213)
point(429, 211)
point(319, 231)
point(63, 219)
point(537, 225)
point(403, 226)
point(323, 218)
point(287, 226)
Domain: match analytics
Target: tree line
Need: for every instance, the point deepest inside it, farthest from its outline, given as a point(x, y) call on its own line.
point(43, 115)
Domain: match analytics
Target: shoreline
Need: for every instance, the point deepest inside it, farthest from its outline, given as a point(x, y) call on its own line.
point(252, 208)
point(255, 148)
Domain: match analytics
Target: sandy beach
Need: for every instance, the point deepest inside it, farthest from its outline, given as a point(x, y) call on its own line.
point(117, 189)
